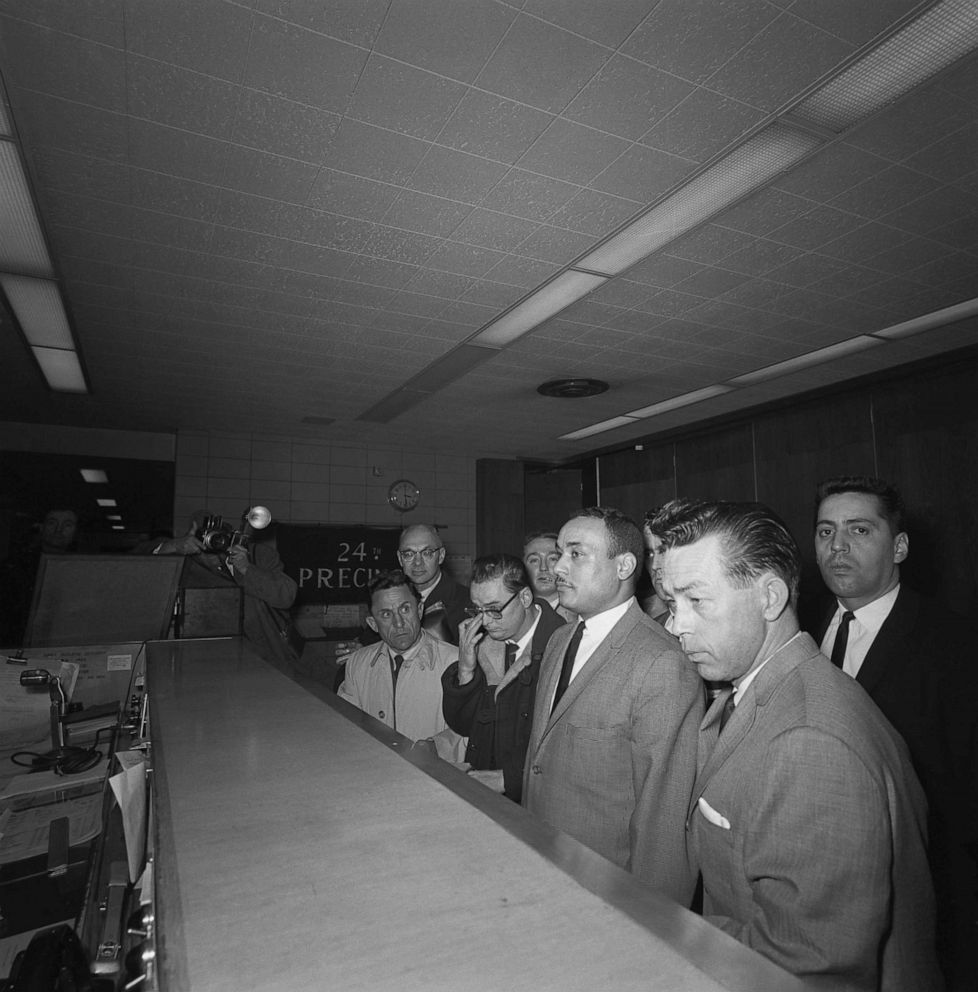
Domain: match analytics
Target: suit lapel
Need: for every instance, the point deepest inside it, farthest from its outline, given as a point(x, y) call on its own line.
point(605, 650)
point(890, 641)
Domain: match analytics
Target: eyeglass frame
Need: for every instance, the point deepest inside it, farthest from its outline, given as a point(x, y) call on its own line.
point(409, 554)
point(491, 612)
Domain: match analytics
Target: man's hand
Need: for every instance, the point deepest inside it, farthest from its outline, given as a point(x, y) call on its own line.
point(238, 559)
point(491, 778)
point(186, 545)
point(343, 648)
point(470, 633)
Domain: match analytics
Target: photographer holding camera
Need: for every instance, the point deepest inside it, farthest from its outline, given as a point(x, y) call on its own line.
point(254, 566)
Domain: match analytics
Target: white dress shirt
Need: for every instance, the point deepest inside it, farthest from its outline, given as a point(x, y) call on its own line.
point(862, 630)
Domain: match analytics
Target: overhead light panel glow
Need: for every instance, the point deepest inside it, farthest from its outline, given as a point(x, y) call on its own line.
point(22, 248)
point(687, 399)
point(61, 369)
point(605, 425)
point(95, 475)
point(756, 162)
point(106, 502)
point(839, 350)
point(939, 318)
point(36, 304)
point(928, 44)
point(548, 300)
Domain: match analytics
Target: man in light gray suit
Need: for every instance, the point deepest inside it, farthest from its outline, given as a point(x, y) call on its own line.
point(806, 820)
point(612, 754)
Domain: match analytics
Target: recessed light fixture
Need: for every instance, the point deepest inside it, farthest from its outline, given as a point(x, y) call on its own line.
point(572, 389)
point(106, 502)
point(95, 475)
point(113, 516)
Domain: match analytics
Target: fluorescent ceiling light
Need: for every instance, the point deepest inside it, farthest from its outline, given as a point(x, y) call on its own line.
point(62, 369)
point(687, 399)
point(849, 347)
point(106, 502)
point(37, 305)
point(118, 527)
point(113, 516)
point(22, 248)
point(93, 475)
point(605, 425)
point(756, 162)
point(939, 318)
point(928, 44)
point(549, 299)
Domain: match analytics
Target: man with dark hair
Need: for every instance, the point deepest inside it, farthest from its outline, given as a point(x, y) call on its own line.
point(398, 680)
point(612, 753)
point(489, 692)
point(540, 554)
point(656, 521)
point(806, 819)
point(913, 657)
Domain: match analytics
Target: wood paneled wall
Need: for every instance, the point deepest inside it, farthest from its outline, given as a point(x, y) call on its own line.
point(918, 430)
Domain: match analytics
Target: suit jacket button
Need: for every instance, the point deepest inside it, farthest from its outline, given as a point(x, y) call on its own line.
point(536, 769)
point(381, 714)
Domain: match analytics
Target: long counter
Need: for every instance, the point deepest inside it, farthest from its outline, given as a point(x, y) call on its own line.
point(302, 845)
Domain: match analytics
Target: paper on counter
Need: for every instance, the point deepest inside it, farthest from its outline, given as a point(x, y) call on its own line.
point(129, 787)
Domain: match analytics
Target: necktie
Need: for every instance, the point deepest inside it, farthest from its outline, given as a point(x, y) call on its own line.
point(565, 672)
point(841, 639)
point(396, 663)
point(727, 712)
point(510, 656)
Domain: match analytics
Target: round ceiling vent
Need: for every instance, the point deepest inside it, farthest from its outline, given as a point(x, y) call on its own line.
point(572, 389)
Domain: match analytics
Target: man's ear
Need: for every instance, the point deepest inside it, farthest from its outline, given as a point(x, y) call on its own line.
point(775, 595)
point(627, 563)
point(372, 624)
point(441, 554)
point(901, 547)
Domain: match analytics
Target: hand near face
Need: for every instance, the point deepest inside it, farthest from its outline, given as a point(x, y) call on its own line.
point(470, 633)
point(238, 559)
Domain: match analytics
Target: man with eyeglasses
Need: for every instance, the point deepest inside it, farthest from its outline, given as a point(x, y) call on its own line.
point(421, 554)
point(488, 693)
point(540, 554)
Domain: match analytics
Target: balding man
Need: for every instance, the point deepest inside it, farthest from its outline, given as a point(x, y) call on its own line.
point(421, 553)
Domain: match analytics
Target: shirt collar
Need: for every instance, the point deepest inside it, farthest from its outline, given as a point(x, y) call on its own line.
point(872, 615)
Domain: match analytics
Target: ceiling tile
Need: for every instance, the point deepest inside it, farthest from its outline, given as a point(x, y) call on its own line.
point(357, 22)
point(626, 97)
point(857, 23)
point(780, 61)
point(709, 243)
point(540, 64)
point(642, 173)
point(82, 174)
point(297, 64)
point(199, 36)
point(552, 244)
point(950, 158)
point(271, 124)
point(595, 213)
point(608, 24)
point(518, 270)
point(525, 194)
point(170, 195)
point(428, 214)
point(445, 36)
point(176, 152)
point(71, 126)
point(253, 171)
point(818, 227)
point(373, 153)
point(86, 213)
point(572, 152)
point(101, 21)
point(760, 257)
point(489, 229)
point(466, 260)
point(72, 68)
point(694, 38)
point(884, 192)
point(180, 98)
point(702, 125)
point(455, 175)
point(350, 195)
point(493, 127)
point(402, 98)
point(764, 212)
point(831, 171)
point(663, 270)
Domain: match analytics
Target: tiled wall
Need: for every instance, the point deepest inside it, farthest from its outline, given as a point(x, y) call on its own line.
point(302, 481)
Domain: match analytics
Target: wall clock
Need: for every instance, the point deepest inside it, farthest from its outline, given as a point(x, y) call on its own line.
point(403, 495)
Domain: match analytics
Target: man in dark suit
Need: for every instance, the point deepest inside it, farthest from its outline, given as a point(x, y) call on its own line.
point(612, 753)
point(806, 818)
point(914, 660)
point(421, 553)
point(488, 694)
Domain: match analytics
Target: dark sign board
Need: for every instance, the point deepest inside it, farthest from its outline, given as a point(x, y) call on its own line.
point(333, 564)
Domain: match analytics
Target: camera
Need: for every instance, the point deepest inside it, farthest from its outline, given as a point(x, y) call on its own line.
point(219, 536)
